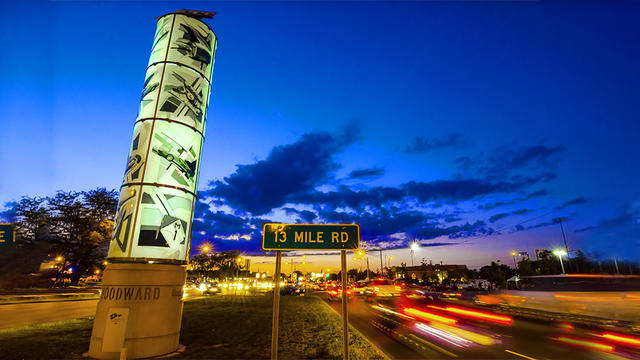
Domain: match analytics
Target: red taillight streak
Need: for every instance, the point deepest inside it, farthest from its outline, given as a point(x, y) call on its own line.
point(628, 340)
point(503, 319)
point(429, 316)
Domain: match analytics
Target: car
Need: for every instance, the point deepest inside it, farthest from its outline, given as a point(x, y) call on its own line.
point(336, 293)
point(292, 290)
point(208, 288)
point(360, 288)
point(381, 287)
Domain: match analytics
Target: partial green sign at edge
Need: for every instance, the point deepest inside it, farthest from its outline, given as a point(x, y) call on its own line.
point(278, 236)
point(7, 234)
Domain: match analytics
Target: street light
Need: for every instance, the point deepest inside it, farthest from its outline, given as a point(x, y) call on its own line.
point(515, 266)
point(560, 254)
point(59, 258)
point(414, 247)
point(205, 248)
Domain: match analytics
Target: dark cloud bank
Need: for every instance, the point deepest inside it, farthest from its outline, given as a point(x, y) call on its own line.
point(289, 178)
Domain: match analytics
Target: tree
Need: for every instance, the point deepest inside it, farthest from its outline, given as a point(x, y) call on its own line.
point(547, 263)
point(525, 268)
point(497, 273)
point(222, 264)
point(31, 219)
point(80, 227)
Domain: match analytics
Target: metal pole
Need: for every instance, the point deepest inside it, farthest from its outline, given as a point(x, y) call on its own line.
point(561, 264)
point(276, 308)
point(615, 261)
point(515, 266)
point(411, 257)
point(368, 276)
point(564, 238)
point(381, 265)
point(345, 316)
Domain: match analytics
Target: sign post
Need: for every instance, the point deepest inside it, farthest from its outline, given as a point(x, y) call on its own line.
point(276, 307)
point(277, 237)
point(345, 314)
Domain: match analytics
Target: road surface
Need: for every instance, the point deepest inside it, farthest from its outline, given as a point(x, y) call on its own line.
point(23, 314)
point(401, 337)
point(31, 313)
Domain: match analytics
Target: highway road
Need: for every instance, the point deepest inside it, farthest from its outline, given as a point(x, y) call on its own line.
point(410, 329)
point(30, 313)
point(39, 312)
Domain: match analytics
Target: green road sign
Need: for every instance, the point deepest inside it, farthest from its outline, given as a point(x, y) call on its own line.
point(277, 236)
point(7, 236)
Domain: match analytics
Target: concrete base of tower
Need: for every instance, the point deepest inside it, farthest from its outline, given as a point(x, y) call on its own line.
point(140, 311)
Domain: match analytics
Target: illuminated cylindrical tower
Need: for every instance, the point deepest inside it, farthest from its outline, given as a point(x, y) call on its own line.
point(155, 211)
point(152, 235)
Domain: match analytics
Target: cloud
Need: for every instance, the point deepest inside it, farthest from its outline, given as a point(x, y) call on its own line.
point(497, 217)
point(308, 216)
point(521, 211)
point(289, 169)
point(547, 223)
point(591, 227)
point(302, 175)
point(575, 201)
point(387, 225)
point(8, 215)
point(421, 144)
point(305, 215)
point(496, 204)
point(450, 191)
point(504, 161)
point(509, 162)
point(366, 173)
point(534, 194)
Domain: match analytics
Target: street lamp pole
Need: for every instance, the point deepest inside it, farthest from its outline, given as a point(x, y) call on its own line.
point(560, 220)
point(515, 265)
point(559, 254)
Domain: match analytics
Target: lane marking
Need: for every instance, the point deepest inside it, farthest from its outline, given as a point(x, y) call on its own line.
point(518, 354)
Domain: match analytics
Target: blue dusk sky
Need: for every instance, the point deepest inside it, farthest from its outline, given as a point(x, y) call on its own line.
point(466, 126)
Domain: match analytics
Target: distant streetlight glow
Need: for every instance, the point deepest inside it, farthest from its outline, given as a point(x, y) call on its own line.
point(415, 246)
point(59, 258)
point(560, 253)
point(205, 248)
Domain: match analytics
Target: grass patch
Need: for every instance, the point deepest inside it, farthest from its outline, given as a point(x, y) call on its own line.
point(217, 327)
point(58, 340)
